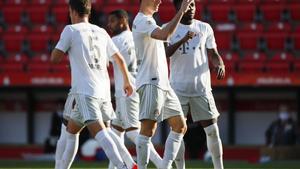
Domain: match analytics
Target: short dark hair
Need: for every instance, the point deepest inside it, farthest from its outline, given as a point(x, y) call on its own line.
point(82, 7)
point(120, 13)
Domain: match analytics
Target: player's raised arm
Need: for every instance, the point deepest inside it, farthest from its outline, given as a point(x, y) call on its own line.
point(217, 62)
point(165, 32)
point(171, 48)
point(118, 58)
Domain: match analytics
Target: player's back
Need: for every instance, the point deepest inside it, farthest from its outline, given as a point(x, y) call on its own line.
point(88, 53)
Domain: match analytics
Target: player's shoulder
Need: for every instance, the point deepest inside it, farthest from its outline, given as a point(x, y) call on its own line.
point(201, 23)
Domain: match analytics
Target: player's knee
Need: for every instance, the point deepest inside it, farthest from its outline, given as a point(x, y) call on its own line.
point(180, 128)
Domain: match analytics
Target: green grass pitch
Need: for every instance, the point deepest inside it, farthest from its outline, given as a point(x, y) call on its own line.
point(21, 164)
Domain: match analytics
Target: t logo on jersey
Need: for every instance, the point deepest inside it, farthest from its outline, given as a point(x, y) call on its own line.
point(185, 47)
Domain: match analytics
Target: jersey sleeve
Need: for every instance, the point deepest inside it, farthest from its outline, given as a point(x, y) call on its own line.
point(147, 26)
point(110, 47)
point(210, 41)
point(65, 39)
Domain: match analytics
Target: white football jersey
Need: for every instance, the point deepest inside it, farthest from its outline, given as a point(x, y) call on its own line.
point(189, 65)
point(125, 44)
point(151, 57)
point(89, 48)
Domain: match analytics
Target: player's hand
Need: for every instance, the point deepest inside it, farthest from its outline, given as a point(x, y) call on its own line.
point(185, 5)
point(220, 69)
point(188, 35)
point(128, 89)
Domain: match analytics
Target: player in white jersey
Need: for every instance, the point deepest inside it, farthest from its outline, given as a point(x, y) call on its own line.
point(157, 99)
point(127, 108)
point(89, 48)
point(189, 48)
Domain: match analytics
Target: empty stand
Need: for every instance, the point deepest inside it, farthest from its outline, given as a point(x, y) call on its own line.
point(230, 61)
point(294, 11)
point(38, 42)
point(37, 13)
point(61, 14)
point(296, 39)
point(13, 42)
point(272, 12)
point(245, 12)
point(13, 14)
point(279, 27)
point(248, 41)
point(223, 40)
point(250, 27)
point(219, 12)
point(276, 41)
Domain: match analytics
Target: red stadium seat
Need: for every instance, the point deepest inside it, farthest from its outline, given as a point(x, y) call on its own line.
point(250, 28)
point(110, 8)
point(110, 2)
point(16, 58)
point(223, 40)
point(13, 42)
point(230, 61)
point(12, 67)
point(245, 12)
point(41, 2)
point(222, 1)
point(38, 67)
point(37, 13)
point(276, 40)
point(166, 13)
point(272, 12)
point(248, 41)
point(38, 29)
point(38, 42)
point(61, 2)
point(282, 57)
point(16, 29)
point(16, 2)
point(296, 38)
point(12, 14)
point(248, 1)
point(278, 27)
point(61, 14)
point(278, 67)
point(296, 66)
point(219, 12)
point(294, 11)
point(60, 68)
point(251, 67)
point(274, 1)
point(254, 57)
point(41, 58)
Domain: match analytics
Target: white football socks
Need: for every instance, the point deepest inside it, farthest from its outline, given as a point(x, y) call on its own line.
point(143, 151)
point(60, 146)
point(121, 135)
point(214, 145)
point(180, 160)
point(126, 156)
point(110, 148)
point(72, 142)
point(171, 149)
point(154, 156)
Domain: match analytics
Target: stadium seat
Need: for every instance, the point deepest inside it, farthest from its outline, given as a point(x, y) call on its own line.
point(41, 2)
point(38, 42)
point(12, 14)
point(222, 1)
point(280, 63)
point(40, 58)
point(110, 2)
point(13, 42)
point(110, 8)
point(248, 41)
point(38, 67)
point(248, 1)
point(272, 12)
point(276, 41)
point(296, 39)
point(250, 27)
point(230, 61)
point(37, 13)
point(279, 27)
point(60, 68)
point(274, 1)
point(294, 11)
point(223, 40)
point(254, 57)
point(16, 58)
point(38, 29)
point(245, 12)
point(61, 14)
point(219, 12)
point(12, 67)
point(16, 29)
point(251, 67)
point(16, 2)
point(296, 66)
point(166, 13)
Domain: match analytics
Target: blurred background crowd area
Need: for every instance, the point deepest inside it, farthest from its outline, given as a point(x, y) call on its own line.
point(259, 41)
